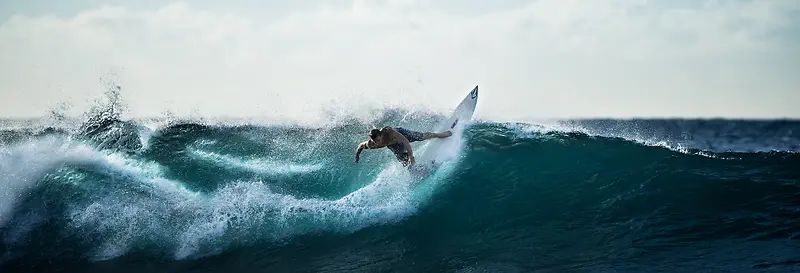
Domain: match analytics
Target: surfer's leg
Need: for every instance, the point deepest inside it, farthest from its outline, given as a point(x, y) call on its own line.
point(429, 135)
point(411, 135)
point(419, 136)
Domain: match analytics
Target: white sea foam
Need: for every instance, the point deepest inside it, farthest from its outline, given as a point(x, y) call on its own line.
point(260, 165)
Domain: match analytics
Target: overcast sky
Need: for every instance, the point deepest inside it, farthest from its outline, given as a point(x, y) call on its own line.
point(531, 59)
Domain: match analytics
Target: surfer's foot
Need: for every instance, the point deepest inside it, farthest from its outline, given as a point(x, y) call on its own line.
point(445, 134)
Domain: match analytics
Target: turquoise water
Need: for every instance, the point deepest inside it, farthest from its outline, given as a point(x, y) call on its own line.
point(574, 196)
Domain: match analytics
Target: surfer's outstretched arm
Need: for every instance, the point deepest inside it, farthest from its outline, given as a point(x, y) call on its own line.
point(369, 144)
point(361, 147)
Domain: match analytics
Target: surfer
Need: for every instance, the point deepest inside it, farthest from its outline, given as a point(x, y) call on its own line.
point(398, 140)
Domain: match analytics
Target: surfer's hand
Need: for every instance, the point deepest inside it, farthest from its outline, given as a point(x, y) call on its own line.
point(357, 158)
point(412, 160)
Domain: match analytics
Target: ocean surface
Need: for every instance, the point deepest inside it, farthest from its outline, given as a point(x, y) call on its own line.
point(106, 194)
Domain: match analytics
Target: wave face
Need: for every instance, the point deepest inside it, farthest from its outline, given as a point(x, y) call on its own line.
point(575, 196)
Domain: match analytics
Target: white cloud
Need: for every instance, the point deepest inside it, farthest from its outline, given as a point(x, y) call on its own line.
point(550, 58)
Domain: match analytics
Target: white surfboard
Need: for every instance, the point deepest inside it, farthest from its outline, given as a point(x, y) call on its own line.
point(439, 150)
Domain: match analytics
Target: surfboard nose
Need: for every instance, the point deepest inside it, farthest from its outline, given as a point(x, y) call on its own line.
point(474, 93)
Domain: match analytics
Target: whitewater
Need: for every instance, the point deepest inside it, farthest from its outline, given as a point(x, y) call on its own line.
point(107, 193)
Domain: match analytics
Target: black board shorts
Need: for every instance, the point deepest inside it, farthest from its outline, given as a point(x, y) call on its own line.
point(409, 134)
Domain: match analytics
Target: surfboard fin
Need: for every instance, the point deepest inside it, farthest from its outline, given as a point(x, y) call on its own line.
point(454, 124)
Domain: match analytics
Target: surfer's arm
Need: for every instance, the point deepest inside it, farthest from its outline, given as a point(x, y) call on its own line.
point(369, 144)
point(361, 147)
point(407, 144)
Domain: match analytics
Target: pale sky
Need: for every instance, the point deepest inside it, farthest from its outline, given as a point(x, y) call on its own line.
point(290, 59)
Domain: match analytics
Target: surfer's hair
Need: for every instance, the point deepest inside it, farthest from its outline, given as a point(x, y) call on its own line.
point(374, 133)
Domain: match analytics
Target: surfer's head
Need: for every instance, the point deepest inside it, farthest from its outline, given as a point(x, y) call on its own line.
point(378, 135)
point(375, 134)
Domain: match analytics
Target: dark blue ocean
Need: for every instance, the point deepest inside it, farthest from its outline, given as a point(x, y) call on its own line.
point(106, 194)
